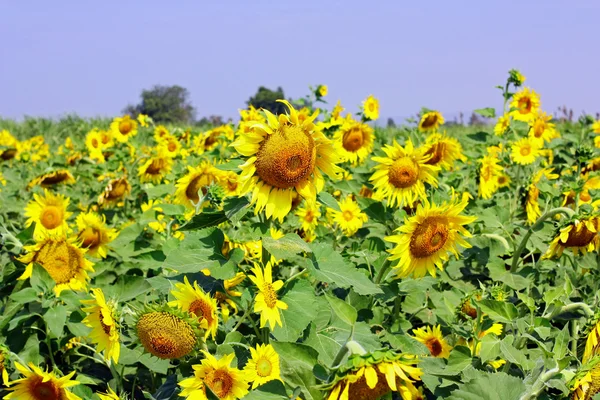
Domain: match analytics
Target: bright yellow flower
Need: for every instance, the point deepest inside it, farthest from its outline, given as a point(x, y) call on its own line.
point(584, 385)
point(169, 147)
point(592, 343)
point(105, 330)
point(94, 234)
point(502, 125)
point(155, 168)
point(194, 300)
point(525, 105)
point(353, 141)
point(579, 236)
point(525, 151)
point(143, 120)
point(110, 395)
point(251, 115)
point(350, 218)
point(266, 302)
point(309, 216)
point(4, 352)
point(443, 150)
point(542, 130)
point(489, 175)
point(41, 385)
point(431, 121)
point(433, 339)
point(197, 179)
point(532, 205)
point(263, 366)
point(596, 127)
point(49, 213)
point(123, 128)
point(370, 108)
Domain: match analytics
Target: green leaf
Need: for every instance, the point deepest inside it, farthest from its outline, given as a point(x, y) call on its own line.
point(513, 355)
point(128, 287)
point(172, 209)
point(204, 220)
point(329, 266)
point(499, 310)
point(301, 301)
point(488, 112)
point(55, 319)
point(490, 348)
point(490, 386)
point(285, 247)
point(273, 390)
point(41, 280)
point(328, 200)
point(406, 344)
point(235, 208)
point(343, 310)
point(460, 358)
point(25, 296)
point(326, 346)
point(296, 363)
point(561, 343)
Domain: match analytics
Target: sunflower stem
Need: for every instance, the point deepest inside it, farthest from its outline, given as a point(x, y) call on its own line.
point(548, 214)
point(574, 336)
point(382, 272)
point(540, 385)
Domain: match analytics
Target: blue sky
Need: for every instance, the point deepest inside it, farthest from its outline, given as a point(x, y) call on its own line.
point(93, 58)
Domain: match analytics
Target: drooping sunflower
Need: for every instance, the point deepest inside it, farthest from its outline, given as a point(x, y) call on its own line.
point(266, 302)
point(155, 168)
point(525, 151)
point(194, 300)
point(102, 319)
point(115, 192)
point(62, 258)
point(443, 150)
point(197, 178)
point(123, 128)
point(350, 217)
point(225, 382)
point(580, 235)
point(525, 105)
point(585, 384)
point(502, 125)
point(434, 340)
point(592, 341)
point(427, 238)
point(542, 130)
point(41, 385)
point(353, 141)
point(489, 174)
point(61, 176)
point(263, 366)
point(431, 121)
point(401, 176)
point(373, 375)
point(286, 156)
point(370, 108)
point(167, 333)
point(48, 212)
point(309, 215)
point(94, 234)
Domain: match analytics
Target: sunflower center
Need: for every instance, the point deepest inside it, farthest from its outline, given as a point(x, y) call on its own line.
point(353, 139)
point(429, 237)
point(538, 129)
point(286, 157)
point(54, 178)
point(348, 216)
point(105, 328)
point(525, 105)
point(172, 146)
point(202, 310)
point(105, 138)
point(429, 121)
point(60, 259)
point(198, 183)
point(118, 189)
point(501, 180)
point(95, 143)
point(269, 295)
point(585, 197)
point(309, 216)
point(90, 237)
point(361, 391)
point(434, 346)
point(8, 154)
point(220, 382)
point(45, 390)
point(165, 335)
point(525, 150)
point(211, 140)
point(403, 173)
point(155, 167)
point(125, 127)
point(372, 106)
point(263, 367)
point(436, 151)
point(51, 217)
point(582, 237)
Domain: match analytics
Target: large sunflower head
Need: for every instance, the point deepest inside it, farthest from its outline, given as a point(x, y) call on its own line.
point(123, 128)
point(103, 321)
point(525, 105)
point(115, 192)
point(427, 238)
point(155, 168)
point(197, 179)
point(400, 177)
point(579, 235)
point(370, 108)
point(373, 375)
point(586, 382)
point(38, 384)
point(61, 176)
point(286, 156)
point(443, 150)
point(263, 366)
point(62, 258)
point(94, 234)
point(434, 340)
point(353, 141)
point(194, 300)
point(49, 212)
point(431, 121)
point(167, 333)
point(525, 151)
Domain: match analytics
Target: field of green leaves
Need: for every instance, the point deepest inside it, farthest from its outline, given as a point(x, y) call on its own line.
point(306, 255)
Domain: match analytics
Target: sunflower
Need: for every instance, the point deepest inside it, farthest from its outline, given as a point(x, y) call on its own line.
point(110, 395)
point(430, 121)
point(443, 150)
point(62, 258)
point(115, 192)
point(433, 339)
point(285, 157)
point(353, 141)
point(169, 146)
point(592, 342)
point(251, 115)
point(93, 141)
point(401, 176)
point(61, 176)
point(123, 128)
point(596, 126)
point(106, 139)
point(223, 298)
point(309, 216)
point(426, 239)
point(525, 105)
point(322, 90)
point(589, 183)
point(373, 375)
point(225, 382)
point(263, 366)
point(230, 182)
point(94, 234)
point(524, 151)
point(197, 179)
point(160, 132)
point(166, 333)
point(41, 385)
point(105, 330)
point(349, 218)
point(489, 174)
point(3, 362)
point(542, 130)
point(579, 235)
point(48, 212)
point(503, 180)
point(144, 120)
point(502, 125)
point(194, 300)
point(155, 168)
point(266, 302)
point(370, 107)
point(586, 383)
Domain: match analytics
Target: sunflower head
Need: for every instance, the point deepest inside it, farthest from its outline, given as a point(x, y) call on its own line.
point(115, 192)
point(434, 340)
point(61, 176)
point(101, 317)
point(38, 384)
point(49, 212)
point(199, 304)
point(123, 128)
point(443, 150)
point(353, 141)
point(370, 108)
point(94, 234)
point(586, 382)
point(516, 77)
point(166, 332)
point(525, 151)
point(580, 234)
point(525, 105)
point(155, 168)
point(263, 366)
point(431, 121)
point(196, 181)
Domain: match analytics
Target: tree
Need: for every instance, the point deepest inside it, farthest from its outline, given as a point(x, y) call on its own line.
point(165, 104)
point(391, 123)
point(267, 99)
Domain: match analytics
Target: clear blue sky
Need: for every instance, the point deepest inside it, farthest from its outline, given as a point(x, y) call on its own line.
point(93, 58)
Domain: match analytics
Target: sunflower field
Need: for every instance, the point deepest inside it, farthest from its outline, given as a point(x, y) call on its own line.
point(308, 255)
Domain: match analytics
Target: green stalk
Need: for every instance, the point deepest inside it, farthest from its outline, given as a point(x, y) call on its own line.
point(382, 272)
